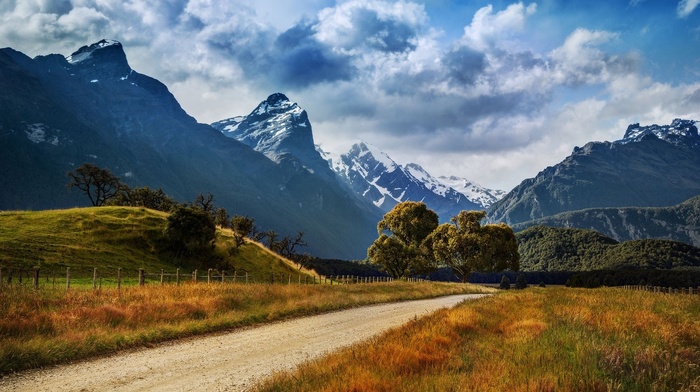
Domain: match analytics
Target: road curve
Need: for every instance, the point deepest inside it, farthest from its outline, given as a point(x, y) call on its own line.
point(231, 361)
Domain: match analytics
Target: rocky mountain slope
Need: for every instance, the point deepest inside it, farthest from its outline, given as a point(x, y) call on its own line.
point(651, 166)
point(372, 174)
point(58, 112)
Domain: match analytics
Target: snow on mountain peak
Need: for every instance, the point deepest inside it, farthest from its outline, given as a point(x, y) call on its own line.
point(678, 130)
point(86, 51)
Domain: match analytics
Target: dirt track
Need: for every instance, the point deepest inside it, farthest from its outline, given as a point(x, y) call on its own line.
point(231, 361)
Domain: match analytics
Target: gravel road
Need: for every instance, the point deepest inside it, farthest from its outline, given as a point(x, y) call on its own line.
point(231, 361)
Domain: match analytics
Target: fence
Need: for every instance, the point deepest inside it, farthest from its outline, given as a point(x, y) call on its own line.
point(664, 290)
point(118, 278)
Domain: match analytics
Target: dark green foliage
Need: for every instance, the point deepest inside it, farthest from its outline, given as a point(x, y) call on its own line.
point(332, 267)
point(401, 232)
point(190, 230)
point(144, 197)
point(555, 249)
point(542, 284)
point(679, 223)
point(505, 283)
point(520, 282)
point(242, 227)
point(221, 218)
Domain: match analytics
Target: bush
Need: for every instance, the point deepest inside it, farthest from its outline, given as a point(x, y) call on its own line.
point(190, 230)
point(520, 282)
point(505, 283)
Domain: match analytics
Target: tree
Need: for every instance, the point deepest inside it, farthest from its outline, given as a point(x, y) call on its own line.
point(144, 197)
point(242, 227)
point(401, 232)
point(98, 184)
point(221, 218)
point(204, 202)
point(190, 230)
point(465, 246)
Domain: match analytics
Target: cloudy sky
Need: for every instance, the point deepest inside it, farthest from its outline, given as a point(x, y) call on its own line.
point(493, 91)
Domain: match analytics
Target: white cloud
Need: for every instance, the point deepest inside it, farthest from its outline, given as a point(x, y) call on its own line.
point(488, 30)
point(686, 7)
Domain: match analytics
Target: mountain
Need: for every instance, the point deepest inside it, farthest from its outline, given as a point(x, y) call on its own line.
point(651, 166)
point(373, 175)
point(281, 130)
point(58, 112)
point(562, 249)
point(678, 223)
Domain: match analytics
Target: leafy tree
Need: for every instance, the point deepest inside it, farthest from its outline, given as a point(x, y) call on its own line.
point(204, 202)
point(242, 227)
point(221, 218)
point(144, 197)
point(98, 184)
point(401, 232)
point(190, 230)
point(465, 246)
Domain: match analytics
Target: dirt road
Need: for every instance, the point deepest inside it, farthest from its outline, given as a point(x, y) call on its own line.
point(231, 361)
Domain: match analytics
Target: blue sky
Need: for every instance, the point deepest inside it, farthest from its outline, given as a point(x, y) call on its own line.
point(493, 91)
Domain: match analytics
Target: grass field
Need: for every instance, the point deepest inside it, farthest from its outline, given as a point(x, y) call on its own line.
point(44, 327)
point(551, 339)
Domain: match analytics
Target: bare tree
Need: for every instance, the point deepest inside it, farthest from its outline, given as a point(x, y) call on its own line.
point(98, 184)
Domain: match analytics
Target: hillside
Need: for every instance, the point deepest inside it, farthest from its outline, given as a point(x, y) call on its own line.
point(565, 249)
point(678, 223)
point(108, 238)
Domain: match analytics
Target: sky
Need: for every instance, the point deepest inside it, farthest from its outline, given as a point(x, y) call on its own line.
point(493, 91)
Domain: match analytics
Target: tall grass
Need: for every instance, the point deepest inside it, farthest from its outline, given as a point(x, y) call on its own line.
point(533, 340)
point(47, 326)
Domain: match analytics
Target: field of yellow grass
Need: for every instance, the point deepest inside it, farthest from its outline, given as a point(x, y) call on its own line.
point(539, 339)
point(46, 326)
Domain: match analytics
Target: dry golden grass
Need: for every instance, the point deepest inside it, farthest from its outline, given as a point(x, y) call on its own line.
point(47, 326)
point(551, 339)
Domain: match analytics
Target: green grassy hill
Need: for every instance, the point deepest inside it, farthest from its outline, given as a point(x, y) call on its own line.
point(108, 238)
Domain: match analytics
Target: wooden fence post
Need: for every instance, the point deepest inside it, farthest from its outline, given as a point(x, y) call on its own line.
point(94, 278)
point(142, 277)
point(177, 276)
point(194, 276)
point(119, 278)
point(36, 278)
point(209, 276)
point(246, 277)
point(67, 278)
point(223, 279)
point(162, 275)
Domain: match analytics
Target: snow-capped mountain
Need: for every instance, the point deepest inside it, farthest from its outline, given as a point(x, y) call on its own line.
point(651, 166)
point(680, 131)
point(372, 174)
point(472, 190)
point(281, 130)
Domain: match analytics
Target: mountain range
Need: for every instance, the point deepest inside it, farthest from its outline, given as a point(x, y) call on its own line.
point(57, 112)
point(281, 130)
point(651, 166)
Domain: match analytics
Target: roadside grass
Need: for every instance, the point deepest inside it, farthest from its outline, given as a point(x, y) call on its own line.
point(45, 327)
point(539, 339)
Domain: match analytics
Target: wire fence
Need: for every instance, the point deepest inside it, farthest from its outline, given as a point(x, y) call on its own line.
point(664, 290)
point(99, 278)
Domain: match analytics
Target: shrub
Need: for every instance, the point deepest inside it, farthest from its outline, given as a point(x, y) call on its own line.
point(520, 282)
point(505, 283)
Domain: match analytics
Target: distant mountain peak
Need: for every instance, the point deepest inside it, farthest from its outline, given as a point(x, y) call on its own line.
point(679, 131)
point(103, 59)
point(86, 51)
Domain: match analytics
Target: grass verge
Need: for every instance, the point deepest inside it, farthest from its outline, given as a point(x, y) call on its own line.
point(45, 327)
point(552, 339)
